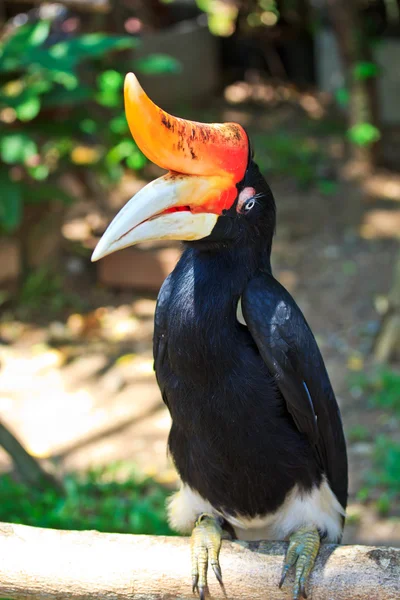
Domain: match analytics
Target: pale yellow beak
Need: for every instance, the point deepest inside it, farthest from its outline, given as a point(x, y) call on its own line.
point(160, 211)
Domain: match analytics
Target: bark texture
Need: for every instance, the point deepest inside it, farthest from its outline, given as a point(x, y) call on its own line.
point(387, 345)
point(48, 564)
point(29, 468)
point(354, 49)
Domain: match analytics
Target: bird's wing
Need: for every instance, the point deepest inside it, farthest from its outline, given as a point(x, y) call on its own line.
point(160, 330)
point(292, 356)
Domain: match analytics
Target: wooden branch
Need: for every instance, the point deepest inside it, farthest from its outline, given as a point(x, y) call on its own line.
point(387, 344)
point(56, 565)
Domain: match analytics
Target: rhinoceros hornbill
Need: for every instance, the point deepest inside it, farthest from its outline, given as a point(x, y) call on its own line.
point(256, 432)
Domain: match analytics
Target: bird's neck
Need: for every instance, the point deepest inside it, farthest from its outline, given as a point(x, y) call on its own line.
point(240, 261)
point(221, 275)
point(203, 308)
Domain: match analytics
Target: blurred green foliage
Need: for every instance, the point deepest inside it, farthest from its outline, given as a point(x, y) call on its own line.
point(94, 500)
point(291, 157)
point(61, 109)
point(222, 16)
point(382, 388)
point(358, 433)
point(384, 476)
point(365, 70)
point(363, 134)
point(44, 287)
point(298, 157)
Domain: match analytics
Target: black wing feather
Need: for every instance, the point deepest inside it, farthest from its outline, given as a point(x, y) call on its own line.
point(291, 354)
point(160, 331)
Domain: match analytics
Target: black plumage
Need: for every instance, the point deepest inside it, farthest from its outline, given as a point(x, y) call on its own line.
point(253, 411)
point(290, 351)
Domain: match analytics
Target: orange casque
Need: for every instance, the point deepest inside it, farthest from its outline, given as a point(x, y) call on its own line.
point(188, 147)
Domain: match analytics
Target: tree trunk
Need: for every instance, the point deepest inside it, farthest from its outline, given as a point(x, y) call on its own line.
point(355, 50)
point(47, 564)
point(30, 470)
point(387, 344)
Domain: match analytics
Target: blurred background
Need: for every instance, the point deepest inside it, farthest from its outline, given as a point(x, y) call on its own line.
point(316, 84)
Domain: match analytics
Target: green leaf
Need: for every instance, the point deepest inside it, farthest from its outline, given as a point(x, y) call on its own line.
point(119, 124)
point(91, 45)
point(156, 64)
point(24, 38)
point(120, 151)
point(26, 91)
point(17, 148)
point(68, 80)
point(67, 97)
point(43, 193)
point(88, 126)
point(363, 134)
point(39, 172)
point(110, 98)
point(40, 33)
point(365, 70)
point(342, 97)
point(40, 62)
point(10, 203)
point(28, 110)
point(60, 70)
point(136, 161)
point(110, 80)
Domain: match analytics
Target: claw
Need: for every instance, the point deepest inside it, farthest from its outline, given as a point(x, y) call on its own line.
point(217, 572)
point(284, 573)
point(205, 546)
point(202, 593)
point(302, 552)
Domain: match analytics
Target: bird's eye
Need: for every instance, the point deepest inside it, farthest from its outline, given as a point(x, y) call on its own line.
point(249, 205)
point(246, 200)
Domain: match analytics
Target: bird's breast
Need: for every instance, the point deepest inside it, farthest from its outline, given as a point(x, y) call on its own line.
point(212, 370)
point(231, 438)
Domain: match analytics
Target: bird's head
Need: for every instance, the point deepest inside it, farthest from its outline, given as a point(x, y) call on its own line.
point(213, 192)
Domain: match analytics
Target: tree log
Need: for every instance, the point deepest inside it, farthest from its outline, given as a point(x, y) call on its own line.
point(48, 564)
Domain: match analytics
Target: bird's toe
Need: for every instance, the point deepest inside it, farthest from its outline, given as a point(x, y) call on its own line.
point(205, 545)
point(302, 552)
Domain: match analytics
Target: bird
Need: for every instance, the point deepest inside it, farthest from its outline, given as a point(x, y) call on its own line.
point(256, 435)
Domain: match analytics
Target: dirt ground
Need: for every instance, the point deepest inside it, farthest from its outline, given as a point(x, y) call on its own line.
point(80, 391)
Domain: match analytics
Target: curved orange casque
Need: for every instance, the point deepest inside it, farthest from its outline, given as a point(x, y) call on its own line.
point(184, 146)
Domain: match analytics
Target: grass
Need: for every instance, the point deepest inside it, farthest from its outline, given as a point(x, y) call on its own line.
point(382, 481)
point(94, 500)
point(384, 387)
point(384, 476)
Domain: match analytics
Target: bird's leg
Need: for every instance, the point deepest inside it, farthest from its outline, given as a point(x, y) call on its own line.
point(205, 544)
point(302, 552)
